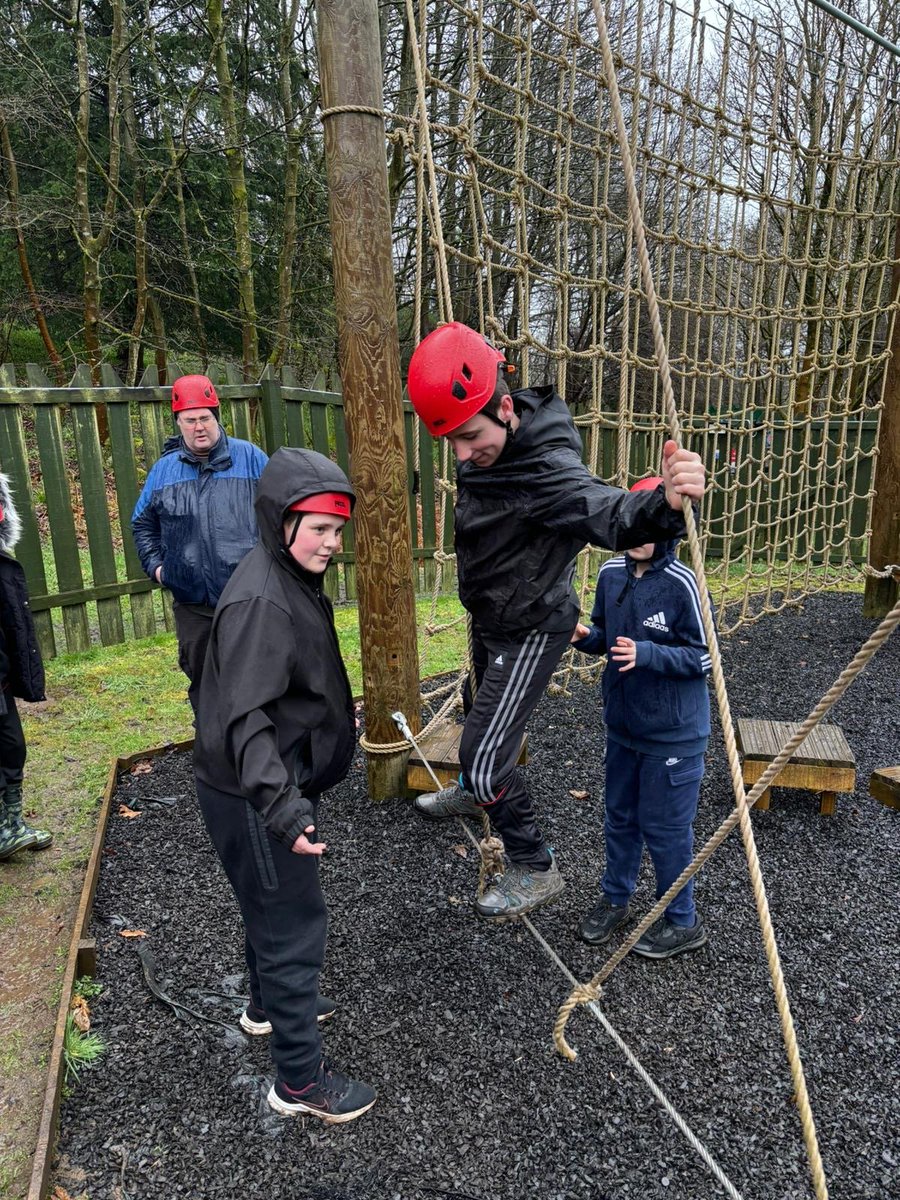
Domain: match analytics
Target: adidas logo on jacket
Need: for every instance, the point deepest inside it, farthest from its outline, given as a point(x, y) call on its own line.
point(661, 706)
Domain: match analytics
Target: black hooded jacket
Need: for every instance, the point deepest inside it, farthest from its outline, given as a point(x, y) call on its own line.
point(275, 720)
point(21, 668)
point(521, 522)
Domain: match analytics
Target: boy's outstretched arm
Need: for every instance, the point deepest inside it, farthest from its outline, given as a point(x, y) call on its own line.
point(591, 639)
point(683, 474)
point(685, 662)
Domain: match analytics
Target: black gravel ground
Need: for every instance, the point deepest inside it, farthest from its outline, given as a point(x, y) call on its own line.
point(451, 1018)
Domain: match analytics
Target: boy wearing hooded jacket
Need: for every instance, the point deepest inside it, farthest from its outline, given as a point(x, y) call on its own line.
point(22, 675)
point(647, 619)
point(526, 505)
point(276, 727)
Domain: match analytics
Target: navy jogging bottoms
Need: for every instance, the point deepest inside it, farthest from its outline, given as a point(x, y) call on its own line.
point(650, 800)
point(511, 677)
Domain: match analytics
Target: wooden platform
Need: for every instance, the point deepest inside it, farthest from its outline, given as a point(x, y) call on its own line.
point(884, 785)
point(441, 748)
point(822, 763)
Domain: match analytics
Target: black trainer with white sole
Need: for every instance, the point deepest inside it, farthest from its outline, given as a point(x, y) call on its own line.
point(332, 1097)
point(255, 1022)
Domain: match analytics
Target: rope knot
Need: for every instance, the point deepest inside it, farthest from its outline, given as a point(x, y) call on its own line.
point(586, 993)
point(491, 850)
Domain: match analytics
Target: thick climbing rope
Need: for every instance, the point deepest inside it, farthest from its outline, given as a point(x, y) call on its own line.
point(742, 813)
point(664, 374)
point(590, 1001)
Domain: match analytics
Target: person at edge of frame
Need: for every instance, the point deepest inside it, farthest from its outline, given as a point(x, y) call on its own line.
point(194, 519)
point(526, 505)
point(22, 676)
point(276, 727)
point(647, 619)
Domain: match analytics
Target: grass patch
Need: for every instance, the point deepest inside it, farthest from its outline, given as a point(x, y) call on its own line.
point(13, 1165)
point(80, 1051)
point(81, 1048)
point(13, 1049)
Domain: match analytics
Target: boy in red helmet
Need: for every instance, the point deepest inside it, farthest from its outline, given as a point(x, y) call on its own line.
point(526, 505)
point(194, 519)
point(647, 619)
point(276, 727)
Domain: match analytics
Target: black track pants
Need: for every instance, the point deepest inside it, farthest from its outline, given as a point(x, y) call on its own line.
point(12, 745)
point(283, 907)
point(193, 625)
point(511, 677)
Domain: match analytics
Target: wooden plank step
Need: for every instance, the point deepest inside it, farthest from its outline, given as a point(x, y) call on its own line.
point(884, 785)
point(826, 746)
point(441, 748)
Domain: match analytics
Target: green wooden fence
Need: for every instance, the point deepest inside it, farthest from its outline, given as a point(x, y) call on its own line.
point(76, 490)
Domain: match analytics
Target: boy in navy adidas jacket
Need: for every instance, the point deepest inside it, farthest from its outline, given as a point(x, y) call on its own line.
point(647, 619)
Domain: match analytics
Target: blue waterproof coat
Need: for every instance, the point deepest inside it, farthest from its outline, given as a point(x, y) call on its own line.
point(195, 516)
point(661, 705)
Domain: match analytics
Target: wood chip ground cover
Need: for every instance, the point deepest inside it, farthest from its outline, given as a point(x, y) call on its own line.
point(451, 1018)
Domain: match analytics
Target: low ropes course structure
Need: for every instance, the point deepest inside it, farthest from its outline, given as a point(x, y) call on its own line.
point(786, 522)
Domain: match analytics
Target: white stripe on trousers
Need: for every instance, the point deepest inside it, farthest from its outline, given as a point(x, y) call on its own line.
point(517, 685)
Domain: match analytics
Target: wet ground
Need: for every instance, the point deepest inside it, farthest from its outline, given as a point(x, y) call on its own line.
point(39, 892)
point(451, 1018)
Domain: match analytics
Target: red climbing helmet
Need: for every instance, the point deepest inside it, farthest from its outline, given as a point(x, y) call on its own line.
point(452, 375)
point(647, 485)
point(335, 504)
point(193, 391)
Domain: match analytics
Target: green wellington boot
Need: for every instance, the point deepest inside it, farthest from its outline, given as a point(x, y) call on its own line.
point(10, 839)
point(39, 839)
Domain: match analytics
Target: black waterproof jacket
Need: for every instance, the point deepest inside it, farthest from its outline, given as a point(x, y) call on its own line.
point(520, 523)
point(21, 668)
point(275, 717)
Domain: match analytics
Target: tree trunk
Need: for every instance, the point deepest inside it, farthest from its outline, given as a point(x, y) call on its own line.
point(234, 161)
point(93, 245)
point(12, 193)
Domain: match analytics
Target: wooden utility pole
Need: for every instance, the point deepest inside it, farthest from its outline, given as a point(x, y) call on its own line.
point(369, 359)
point(884, 548)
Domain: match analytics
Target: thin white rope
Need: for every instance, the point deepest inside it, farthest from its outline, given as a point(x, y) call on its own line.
point(595, 1010)
point(593, 1007)
point(598, 1015)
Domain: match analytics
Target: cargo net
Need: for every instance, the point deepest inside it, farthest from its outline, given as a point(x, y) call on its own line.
point(767, 173)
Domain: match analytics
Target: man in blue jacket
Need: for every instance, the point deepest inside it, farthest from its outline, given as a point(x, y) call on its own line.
point(647, 619)
point(194, 521)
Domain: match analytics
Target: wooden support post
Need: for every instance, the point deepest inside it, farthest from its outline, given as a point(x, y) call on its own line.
point(86, 961)
point(884, 548)
point(884, 785)
point(369, 359)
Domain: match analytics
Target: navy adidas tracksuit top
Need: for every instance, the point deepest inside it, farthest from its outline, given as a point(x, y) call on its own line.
point(660, 706)
point(657, 720)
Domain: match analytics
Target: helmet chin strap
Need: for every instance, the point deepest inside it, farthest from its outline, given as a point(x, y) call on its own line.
point(294, 531)
point(507, 425)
